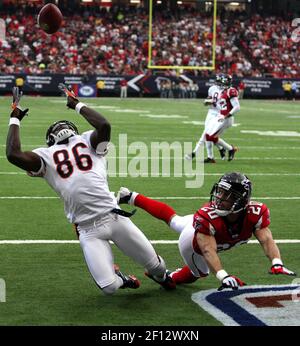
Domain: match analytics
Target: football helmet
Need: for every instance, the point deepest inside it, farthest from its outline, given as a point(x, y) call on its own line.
point(226, 80)
point(231, 194)
point(218, 78)
point(60, 131)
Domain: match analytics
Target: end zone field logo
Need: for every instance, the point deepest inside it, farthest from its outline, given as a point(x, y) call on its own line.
point(253, 305)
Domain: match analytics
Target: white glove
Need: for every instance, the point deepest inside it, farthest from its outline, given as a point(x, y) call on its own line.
point(279, 268)
point(230, 281)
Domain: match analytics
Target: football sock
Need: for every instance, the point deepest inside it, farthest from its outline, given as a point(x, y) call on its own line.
point(200, 142)
point(184, 276)
point(224, 144)
point(157, 209)
point(210, 150)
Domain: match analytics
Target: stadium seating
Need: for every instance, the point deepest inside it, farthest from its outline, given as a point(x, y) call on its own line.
point(116, 42)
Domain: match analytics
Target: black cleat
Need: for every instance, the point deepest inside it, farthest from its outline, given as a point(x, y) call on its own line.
point(168, 283)
point(231, 153)
point(208, 160)
point(129, 281)
point(222, 153)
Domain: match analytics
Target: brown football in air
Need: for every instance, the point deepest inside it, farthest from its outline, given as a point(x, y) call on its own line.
point(50, 18)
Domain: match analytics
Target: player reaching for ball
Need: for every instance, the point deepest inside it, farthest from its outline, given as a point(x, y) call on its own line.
point(75, 167)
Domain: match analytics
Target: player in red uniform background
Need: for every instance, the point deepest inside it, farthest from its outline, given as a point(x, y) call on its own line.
point(227, 104)
point(228, 220)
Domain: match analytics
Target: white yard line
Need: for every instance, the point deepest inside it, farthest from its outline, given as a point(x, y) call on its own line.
point(168, 242)
point(133, 146)
point(172, 157)
point(148, 175)
point(159, 198)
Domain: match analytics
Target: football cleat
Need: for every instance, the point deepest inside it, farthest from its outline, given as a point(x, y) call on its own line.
point(124, 195)
point(222, 153)
point(168, 283)
point(129, 281)
point(208, 160)
point(231, 153)
point(190, 156)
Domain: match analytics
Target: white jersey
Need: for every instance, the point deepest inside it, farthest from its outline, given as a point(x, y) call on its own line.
point(79, 176)
point(213, 92)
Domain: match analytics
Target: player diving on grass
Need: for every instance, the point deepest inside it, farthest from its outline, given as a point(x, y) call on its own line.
point(75, 167)
point(229, 219)
point(223, 101)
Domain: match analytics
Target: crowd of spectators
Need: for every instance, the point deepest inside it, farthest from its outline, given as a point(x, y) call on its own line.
point(186, 40)
point(116, 42)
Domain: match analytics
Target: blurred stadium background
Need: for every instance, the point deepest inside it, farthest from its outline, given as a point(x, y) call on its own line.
point(100, 44)
point(103, 42)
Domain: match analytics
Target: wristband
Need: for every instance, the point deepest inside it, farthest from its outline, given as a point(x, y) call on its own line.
point(277, 261)
point(221, 274)
point(14, 121)
point(79, 106)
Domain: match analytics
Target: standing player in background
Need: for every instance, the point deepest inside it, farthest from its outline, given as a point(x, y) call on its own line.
point(123, 88)
point(228, 105)
point(229, 219)
point(213, 112)
point(75, 167)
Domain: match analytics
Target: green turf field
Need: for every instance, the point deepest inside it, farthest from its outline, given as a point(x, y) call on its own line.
point(48, 284)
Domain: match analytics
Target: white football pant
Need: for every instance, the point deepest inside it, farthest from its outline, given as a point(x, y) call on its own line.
point(196, 262)
point(216, 128)
point(94, 240)
point(211, 115)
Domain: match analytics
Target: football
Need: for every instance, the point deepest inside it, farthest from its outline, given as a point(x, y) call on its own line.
point(50, 18)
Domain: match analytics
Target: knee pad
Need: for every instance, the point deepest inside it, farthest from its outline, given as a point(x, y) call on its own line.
point(157, 267)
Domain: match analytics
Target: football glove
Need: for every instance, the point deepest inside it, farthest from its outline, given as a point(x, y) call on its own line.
point(280, 269)
point(17, 112)
point(71, 97)
point(231, 281)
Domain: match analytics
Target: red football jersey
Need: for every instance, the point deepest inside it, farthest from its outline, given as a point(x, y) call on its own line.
point(224, 100)
point(206, 220)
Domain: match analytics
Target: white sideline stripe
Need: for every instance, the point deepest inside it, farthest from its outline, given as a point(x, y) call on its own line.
point(172, 157)
point(25, 242)
point(159, 198)
point(133, 146)
point(146, 175)
point(254, 198)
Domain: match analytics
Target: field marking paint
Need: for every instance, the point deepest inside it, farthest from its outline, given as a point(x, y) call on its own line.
point(166, 242)
point(164, 116)
point(273, 133)
point(146, 175)
point(159, 198)
point(240, 147)
point(203, 123)
point(281, 111)
point(172, 157)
